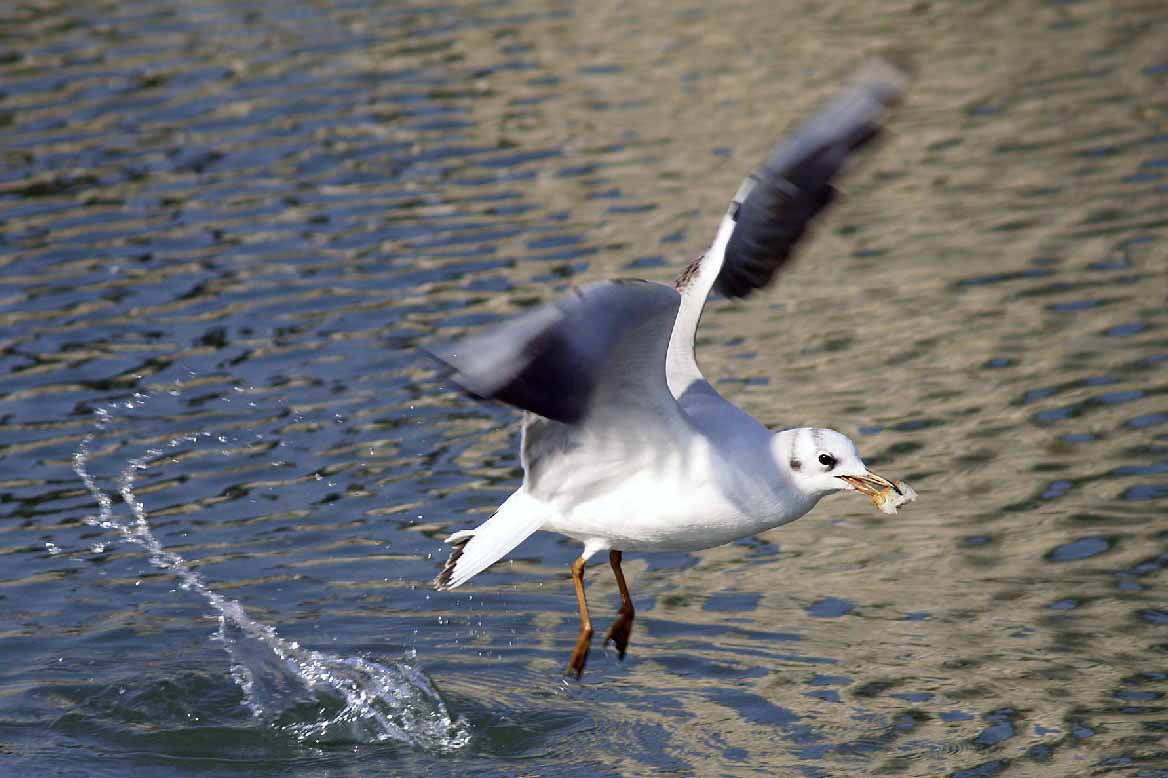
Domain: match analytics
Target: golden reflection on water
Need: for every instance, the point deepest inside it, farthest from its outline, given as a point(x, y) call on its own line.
point(1001, 199)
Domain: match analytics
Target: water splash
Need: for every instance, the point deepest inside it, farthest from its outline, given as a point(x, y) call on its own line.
point(316, 696)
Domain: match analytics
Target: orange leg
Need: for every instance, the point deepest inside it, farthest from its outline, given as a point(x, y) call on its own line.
point(622, 628)
point(584, 642)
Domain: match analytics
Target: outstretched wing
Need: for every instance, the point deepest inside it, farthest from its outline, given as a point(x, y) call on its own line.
point(774, 206)
point(594, 355)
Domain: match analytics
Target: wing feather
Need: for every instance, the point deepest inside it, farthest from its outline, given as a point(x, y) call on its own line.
point(774, 207)
point(598, 352)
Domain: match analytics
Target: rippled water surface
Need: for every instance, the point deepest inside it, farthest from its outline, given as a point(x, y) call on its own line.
point(225, 472)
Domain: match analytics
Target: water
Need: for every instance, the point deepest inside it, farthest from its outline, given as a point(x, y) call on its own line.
point(230, 226)
point(347, 698)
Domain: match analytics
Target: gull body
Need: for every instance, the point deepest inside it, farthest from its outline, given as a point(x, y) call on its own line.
point(705, 492)
point(626, 446)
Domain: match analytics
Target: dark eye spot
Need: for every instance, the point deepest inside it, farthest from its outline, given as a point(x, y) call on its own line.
point(827, 460)
point(796, 464)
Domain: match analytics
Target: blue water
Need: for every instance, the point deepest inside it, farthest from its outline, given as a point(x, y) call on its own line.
point(226, 470)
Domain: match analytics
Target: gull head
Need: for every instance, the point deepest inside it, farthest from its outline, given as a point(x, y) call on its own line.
point(822, 461)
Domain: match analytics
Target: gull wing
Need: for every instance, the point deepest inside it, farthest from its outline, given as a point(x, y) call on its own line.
point(774, 206)
point(595, 355)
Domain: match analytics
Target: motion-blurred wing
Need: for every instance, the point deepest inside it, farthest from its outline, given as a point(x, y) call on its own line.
point(596, 353)
point(774, 206)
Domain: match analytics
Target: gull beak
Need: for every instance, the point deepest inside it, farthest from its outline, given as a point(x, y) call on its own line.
point(870, 484)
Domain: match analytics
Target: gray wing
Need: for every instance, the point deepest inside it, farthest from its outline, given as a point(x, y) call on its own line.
point(775, 205)
point(596, 353)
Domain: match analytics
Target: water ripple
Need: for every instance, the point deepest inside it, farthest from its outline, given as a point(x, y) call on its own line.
point(266, 208)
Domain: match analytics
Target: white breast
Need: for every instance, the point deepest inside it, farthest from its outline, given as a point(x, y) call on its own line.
point(694, 495)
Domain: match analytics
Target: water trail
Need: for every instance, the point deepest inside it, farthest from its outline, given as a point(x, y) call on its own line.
point(316, 696)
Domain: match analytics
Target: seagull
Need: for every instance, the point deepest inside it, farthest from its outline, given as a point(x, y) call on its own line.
point(626, 446)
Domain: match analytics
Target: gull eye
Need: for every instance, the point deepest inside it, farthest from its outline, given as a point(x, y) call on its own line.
point(827, 460)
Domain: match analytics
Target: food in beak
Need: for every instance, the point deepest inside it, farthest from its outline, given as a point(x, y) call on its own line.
point(886, 495)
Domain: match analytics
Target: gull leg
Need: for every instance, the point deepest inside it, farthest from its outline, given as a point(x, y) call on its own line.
point(584, 642)
point(622, 628)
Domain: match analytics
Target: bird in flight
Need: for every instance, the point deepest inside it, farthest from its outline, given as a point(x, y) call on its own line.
point(626, 446)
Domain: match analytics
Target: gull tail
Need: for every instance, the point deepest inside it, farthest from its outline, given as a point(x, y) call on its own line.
point(477, 549)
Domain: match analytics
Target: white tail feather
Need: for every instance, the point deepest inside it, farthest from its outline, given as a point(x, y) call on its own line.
point(477, 549)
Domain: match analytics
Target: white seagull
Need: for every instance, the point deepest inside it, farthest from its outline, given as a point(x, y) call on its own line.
point(625, 444)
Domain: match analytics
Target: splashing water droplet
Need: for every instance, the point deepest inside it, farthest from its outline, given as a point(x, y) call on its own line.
point(312, 695)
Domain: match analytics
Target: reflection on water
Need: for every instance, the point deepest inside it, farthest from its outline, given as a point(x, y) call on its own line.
point(271, 206)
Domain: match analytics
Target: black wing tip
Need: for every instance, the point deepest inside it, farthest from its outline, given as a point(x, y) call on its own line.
point(442, 581)
point(795, 184)
point(847, 123)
